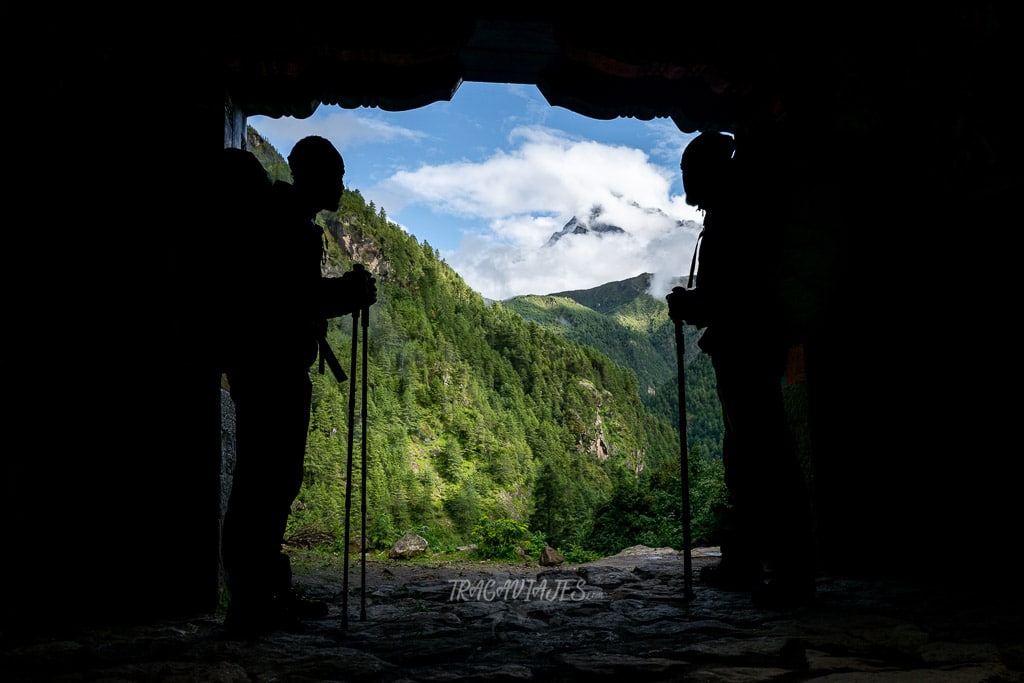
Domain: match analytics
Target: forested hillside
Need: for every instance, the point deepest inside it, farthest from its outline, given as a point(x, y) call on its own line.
point(475, 413)
point(631, 326)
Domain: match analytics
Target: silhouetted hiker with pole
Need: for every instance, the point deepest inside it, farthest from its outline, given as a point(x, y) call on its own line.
point(767, 541)
point(288, 302)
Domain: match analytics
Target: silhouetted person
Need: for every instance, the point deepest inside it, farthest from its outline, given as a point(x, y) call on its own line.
point(284, 302)
point(766, 544)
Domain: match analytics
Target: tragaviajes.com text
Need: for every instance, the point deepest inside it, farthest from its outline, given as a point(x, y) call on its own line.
point(489, 590)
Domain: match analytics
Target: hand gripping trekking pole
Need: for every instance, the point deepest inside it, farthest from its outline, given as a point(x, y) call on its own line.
point(684, 463)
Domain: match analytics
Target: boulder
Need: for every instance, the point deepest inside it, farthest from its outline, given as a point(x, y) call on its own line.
point(409, 545)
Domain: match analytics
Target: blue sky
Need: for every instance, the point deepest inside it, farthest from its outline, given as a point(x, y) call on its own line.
point(488, 177)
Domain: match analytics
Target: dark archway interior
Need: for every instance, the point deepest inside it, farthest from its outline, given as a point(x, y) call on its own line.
point(909, 122)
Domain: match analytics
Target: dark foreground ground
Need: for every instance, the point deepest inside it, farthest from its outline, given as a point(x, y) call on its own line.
point(624, 618)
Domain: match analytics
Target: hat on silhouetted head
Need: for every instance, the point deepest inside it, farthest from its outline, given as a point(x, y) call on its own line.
point(703, 164)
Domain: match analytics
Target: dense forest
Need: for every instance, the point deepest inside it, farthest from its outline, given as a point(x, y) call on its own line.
point(481, 414)
point(629, 325)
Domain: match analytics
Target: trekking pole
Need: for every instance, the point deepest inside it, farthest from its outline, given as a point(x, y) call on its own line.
point(684, 459)
point(362, 485)
point(348, 468)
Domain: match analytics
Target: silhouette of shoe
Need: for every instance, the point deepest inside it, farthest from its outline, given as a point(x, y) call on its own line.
point(727, 577)
point(784, 591)
point(249, 621)
point(252, 618)
point(296, 606)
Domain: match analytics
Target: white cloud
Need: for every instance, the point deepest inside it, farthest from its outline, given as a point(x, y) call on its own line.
point(345, 128)
point(503, 198)
point(522, 196)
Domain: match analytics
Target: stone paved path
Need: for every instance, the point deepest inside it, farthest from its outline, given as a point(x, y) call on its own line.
point(617, 619)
